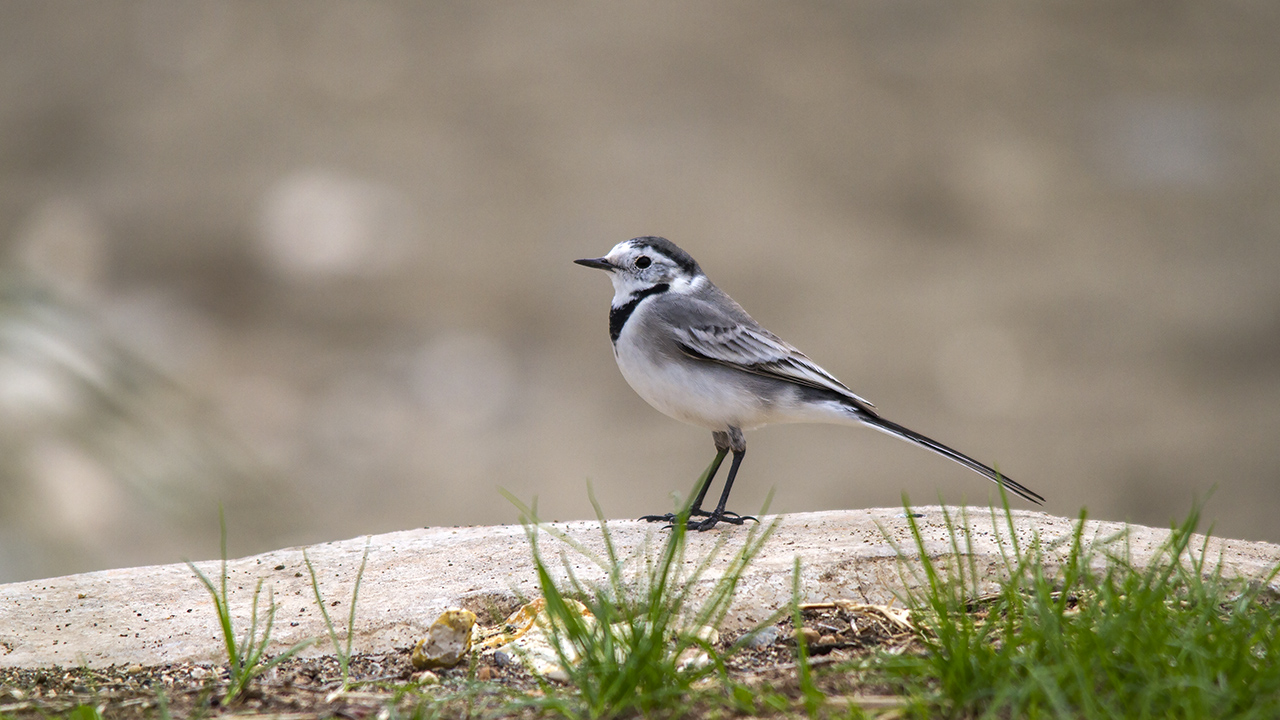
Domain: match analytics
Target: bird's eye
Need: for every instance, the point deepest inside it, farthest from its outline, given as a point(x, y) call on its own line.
point(643, 262)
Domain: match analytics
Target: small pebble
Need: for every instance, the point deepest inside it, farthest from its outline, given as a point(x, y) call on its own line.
point(484, 674)
point(827, 640)
point(763, 637)
point(810, 635)
point(501, 659)
point(447, 642)
point(426, 677)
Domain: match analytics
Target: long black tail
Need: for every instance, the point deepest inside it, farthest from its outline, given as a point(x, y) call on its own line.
point(896, 430)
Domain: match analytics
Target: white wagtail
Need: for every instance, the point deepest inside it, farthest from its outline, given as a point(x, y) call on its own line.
point(693, 353)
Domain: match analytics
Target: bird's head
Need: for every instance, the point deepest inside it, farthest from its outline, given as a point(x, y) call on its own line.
point(640, 263)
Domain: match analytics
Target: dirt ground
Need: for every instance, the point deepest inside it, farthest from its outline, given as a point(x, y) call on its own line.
point(305, 688)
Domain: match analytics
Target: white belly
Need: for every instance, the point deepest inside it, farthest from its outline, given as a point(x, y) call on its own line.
point(697, 393)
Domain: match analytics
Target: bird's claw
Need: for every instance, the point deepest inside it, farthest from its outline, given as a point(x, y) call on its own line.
point(711, 519)
point(726, 516)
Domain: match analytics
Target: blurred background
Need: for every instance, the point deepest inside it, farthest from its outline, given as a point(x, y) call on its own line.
point(312, 261)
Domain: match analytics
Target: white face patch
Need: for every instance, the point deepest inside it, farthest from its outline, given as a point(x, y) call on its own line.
point(626, 284)
point(629, 278)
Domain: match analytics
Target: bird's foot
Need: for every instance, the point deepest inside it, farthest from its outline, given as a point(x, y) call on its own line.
point(710, 519)
point(726, 516)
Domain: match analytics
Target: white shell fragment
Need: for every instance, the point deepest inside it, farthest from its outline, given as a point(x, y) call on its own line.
point(525, 637)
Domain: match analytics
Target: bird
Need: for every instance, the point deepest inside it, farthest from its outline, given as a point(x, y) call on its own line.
point(695, 355)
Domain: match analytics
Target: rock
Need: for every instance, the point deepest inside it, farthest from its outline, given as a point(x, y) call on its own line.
point(809, 634)
point(695, 657)
point(707, 634)
point(763, 637)
point(447, 642)
point(162, 615)
point(425, 677)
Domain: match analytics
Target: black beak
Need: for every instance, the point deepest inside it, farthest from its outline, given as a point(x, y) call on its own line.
point(597, 263)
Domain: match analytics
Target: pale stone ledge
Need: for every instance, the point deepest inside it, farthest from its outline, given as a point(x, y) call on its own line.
point(162, 614)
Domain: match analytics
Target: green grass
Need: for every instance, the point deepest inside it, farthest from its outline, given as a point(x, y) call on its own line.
point(341, 650)
point(85, 712)
point(1175, 639)
point(812, 697)
point(246, 658)
point(630, 657)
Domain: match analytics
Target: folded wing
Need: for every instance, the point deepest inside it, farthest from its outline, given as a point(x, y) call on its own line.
point(756, 350)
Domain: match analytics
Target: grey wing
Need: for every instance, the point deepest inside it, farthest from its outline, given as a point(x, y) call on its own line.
point(751, 348)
